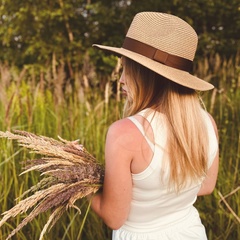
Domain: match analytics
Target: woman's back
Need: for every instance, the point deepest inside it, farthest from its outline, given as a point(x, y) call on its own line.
point(155, 207)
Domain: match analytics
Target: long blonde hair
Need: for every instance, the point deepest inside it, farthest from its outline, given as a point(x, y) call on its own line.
point(187, 142)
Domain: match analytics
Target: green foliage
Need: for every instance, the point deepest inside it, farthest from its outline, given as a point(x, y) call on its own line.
point(223, 103)
point(31, 31)
point(62, 32)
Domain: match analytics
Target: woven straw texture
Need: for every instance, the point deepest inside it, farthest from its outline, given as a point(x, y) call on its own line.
point(167, 33)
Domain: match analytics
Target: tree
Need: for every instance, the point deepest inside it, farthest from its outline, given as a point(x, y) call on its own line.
point(57, 32)
point(32, 31)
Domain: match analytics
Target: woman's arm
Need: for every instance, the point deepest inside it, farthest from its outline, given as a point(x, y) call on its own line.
point(209, 183)
point(113, 203)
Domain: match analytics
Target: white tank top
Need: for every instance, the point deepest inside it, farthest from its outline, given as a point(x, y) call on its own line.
point(153, 206)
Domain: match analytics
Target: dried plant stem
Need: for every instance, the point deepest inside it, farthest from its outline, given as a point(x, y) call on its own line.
point(57, 213)
point(223, 198)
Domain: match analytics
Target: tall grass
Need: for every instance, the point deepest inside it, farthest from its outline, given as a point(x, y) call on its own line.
point(221, 211)
point(81, 112)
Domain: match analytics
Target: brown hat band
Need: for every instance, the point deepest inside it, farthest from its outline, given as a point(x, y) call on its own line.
point(157, 55)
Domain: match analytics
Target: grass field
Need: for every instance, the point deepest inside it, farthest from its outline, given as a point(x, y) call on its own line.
point(81, 112)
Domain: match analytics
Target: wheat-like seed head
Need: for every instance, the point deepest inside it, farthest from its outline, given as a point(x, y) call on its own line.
point(69, 173)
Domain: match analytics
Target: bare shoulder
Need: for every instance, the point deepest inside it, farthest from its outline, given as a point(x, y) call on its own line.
point(120, 125)
point(125, 133)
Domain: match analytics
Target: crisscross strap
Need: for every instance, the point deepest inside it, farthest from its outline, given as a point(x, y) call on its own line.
point(141, 129)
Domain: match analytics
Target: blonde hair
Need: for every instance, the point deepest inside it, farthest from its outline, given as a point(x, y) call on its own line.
point(187, 142)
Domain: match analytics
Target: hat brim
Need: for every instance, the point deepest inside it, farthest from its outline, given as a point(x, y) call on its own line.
point(178, 76)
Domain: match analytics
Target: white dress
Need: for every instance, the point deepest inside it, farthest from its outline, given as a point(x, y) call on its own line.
point(157, 213)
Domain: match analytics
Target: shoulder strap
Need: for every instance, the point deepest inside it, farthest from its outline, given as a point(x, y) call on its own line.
point(141, 129)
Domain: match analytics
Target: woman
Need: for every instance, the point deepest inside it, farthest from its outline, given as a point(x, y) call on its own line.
point(164, 152)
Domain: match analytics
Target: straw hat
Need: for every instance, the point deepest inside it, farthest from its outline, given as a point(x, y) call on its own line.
point(165, 44)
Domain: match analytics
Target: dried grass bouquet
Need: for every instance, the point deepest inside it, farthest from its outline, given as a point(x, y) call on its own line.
point(69, 173)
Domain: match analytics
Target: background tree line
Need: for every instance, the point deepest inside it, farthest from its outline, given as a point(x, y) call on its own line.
point(60, 33)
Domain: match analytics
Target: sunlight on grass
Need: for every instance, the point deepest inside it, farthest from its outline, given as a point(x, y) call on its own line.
point(85, 114)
